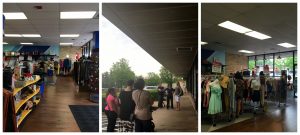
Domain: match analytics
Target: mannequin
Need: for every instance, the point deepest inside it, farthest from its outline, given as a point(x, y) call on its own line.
point(215, 103)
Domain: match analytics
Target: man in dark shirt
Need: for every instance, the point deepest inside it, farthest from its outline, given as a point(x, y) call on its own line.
point(161, 93)
point(170, 92)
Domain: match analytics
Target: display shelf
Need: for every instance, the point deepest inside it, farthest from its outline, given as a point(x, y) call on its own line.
point(37, 101)
point(22, 102)
point(23, 116)
point(25, 113)
point(16, 90)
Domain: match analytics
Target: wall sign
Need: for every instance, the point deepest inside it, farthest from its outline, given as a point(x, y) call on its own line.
point(216, 69)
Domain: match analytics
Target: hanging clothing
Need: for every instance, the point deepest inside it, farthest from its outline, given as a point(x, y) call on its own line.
point(240, 86)
point(9, 114)
point(269, 85)
point(225, 94)
point(262, 89)
point(231, 91)
point(283, 88)
point(61, 63)
point(215, 103)
point(207, 94)
point(255, 86)
point(76, 72)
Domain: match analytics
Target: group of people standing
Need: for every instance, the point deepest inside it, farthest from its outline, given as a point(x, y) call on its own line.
point(131, 105)
point(169, 92)
point(134, 105)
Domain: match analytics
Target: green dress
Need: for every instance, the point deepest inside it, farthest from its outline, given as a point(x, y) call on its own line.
point(215, 102)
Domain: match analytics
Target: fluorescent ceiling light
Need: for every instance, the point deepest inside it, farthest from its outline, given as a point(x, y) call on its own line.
point(234, 27)
point(26, 43)
point(66, 43)
point(203, 43)
point(5, 43)
point(22, 35)
point(257, 35)
point(286, 45)
point(14, 15)
point(245, 51)
point(77, 15)
point(69, 35)
point(12, 35)
point(31, 35)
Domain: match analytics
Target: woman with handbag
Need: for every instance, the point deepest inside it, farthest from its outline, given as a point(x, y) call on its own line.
point(178, 93)
point(143, 104)
point(111, 109)
point(127, 107)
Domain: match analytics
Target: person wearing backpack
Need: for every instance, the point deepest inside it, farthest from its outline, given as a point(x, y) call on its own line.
point(178, 93)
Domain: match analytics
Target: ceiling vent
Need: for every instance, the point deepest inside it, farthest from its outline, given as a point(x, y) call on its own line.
point(38, 7)
point(184, 49)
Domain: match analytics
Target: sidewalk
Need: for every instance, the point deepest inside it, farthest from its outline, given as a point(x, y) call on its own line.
point(185, 120)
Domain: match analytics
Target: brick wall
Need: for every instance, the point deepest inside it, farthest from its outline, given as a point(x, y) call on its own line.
point(235, 62)
point(69, 50)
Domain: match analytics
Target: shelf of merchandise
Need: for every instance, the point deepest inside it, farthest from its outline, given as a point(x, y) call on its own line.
point(23, 116)
point(25, 113)
point(22, 102)
point(37, 101)
point(16, 90)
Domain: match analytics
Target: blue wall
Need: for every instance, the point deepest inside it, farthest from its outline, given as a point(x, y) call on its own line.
point(95, 40)
point(53, 49)
point(209, 55)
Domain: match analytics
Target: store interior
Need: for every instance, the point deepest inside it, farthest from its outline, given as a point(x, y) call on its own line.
point(258, 40)
point(51, 67)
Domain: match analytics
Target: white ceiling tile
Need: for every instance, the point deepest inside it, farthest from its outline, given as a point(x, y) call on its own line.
point(47, 21)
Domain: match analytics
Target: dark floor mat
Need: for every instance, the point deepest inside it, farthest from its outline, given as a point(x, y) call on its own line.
point(87, 117)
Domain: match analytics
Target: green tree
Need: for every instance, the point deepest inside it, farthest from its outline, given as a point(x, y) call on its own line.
point(106, 82)
point(153, 79)
point(120, 73)
point(176, 78)
point(167, 77)
point(284, 63)
point(251, 64)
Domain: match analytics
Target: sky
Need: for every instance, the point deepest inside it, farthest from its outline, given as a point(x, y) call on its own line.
point(114, 45)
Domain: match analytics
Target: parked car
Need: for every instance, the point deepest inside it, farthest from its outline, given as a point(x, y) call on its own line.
point(150, 88)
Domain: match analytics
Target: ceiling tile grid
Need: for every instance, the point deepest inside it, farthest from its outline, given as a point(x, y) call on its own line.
point(278, 20)
point(48, 24)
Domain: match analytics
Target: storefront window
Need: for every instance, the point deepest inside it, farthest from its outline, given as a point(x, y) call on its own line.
point(284, 62)
point(259, 64)
point(295, 62)
point(251, 63)
point(295, 57)
point(269, 64)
